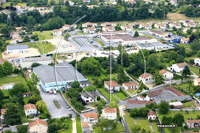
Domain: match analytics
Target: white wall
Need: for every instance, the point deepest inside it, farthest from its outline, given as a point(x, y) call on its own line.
point(30, 112)
point(110, 116)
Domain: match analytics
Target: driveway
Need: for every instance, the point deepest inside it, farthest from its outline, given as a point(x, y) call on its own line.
point(53, 110)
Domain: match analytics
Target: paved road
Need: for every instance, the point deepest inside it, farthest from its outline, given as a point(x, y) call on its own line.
point(125, 125)
point(53, 110)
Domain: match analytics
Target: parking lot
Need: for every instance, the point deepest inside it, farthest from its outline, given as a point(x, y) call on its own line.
point(53, 110)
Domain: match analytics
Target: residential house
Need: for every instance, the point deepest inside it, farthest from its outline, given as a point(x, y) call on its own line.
point(166, 3)
point(85, 127)
point(185, 40)
point(90, 96)
point(17, 49)
point(112, 86)
point(197, 61)
point(185, 20)
point(2, 61)
point(166, 74)
point(135, 24)
point(2, 1)
point(26, 94)
point(108, 24)
point(159, 33)
point(58, 32)
point(176, 25)
point(173, 2)
point(71, 3)
point(43, 60)
point(130, 85)
point(88, 24)
point(108, 28)
point(178, 67)
point(90, 30)
point(43, 12)
point(160, 26)
point(66, 27)
point(190, 24)
point(131, 104)
point(38, 126)
point(127, 27)
point(145, 26)
point(2, 113)
point(140, 98)
point(176, 105)
point(16, 40)
point(146, 78)
point(197, 81)
point(55, 79)
point(92, 6)
point(109, 113)
point(148, 1)
point(151, 115)
point(86, 1)
point(131, 2)
point(30, 109)
point(90, 117)
point(193, 123)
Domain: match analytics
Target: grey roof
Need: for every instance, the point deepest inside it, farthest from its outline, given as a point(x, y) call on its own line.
point(85, 129)
point(17, 47)
point(134, 105)
point(43, 58)
point(89, 94)
point(49, 74)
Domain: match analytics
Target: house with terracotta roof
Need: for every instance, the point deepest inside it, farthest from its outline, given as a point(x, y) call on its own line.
point(30, 109)
point(58, 32)
point(108, 28)
point(140, 98)
point(108, 24)
point(88, 24)
point(173, 2)
point(2, 113)
point(145, 26)
point(193, 123)
point(185, 40)
point(26, 94)
point(178, 67)
point(197, 81)
point(90, 30)
point(176, 105)
point(38, 126)
point(112, 86)
point(66, 27)
point(185, 20)
point(146, 78)
point(166, 74)
point(92, 6)
point(130, 85)
point(2, 61)
point(85, 127)
point(160, 26)
point(148, 1)
point(131, 104)
point(109, 113)
point(131, 2)
point(151, 115)
point(90, 117)
point(127, 27)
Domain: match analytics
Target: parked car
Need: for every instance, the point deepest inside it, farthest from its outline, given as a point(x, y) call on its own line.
point(54, 91)
point(50, 92)
point(70, 109)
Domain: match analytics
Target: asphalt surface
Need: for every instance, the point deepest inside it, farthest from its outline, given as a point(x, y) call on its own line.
point(53, 110)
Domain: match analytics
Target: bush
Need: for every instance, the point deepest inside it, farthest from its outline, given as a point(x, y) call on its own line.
point(42, 117)
point(98, 98)
point(70, 116)
point(124, 92)
point(56, 103)
point(103, 101)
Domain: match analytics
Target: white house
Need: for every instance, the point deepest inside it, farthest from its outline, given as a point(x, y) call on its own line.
point(197, 61)
point(89, 96)
point(127, 27)
point(140, 98)
point(109, 113)
point(17, 49)
point(108, 28)
point(58, 32)
point(166, 74)
point(27, 62)
point(30, 109)
point(90, 117)
point(146, 78)
point(185, 40)
point(108, 24)
point(178, 67)
point(176, 105)
point(112, 86)
point(66, 27)
point(88, 24)
point(38, 126)
point(151, 115)
point(26, 94)
point(197, 81)
point(90, 30)
point(130, 85)
point(2, 113)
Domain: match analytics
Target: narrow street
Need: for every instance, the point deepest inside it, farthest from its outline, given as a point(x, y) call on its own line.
point(74, 125)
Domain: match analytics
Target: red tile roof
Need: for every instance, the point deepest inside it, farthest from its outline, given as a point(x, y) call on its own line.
point(151, 112)
point(111, 83)
point(181, 65)
point(131, 84)
point(29, 106)
point(90, 115)
point(110, 110)
point(3, 111)
point(139, 102)
point(36, 122)
point(192, 121)
point(85, 124)
point(145, 75)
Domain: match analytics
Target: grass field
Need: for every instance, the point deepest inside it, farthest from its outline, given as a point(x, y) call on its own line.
point(144, 124)
point(69, 130)
point(8, 4)
point(129, 120)
point(155, 128)
point(120, 95)
point(99, 41)
point(17, 79)
point(132, 91)
point(0, 55)
point(44, 35)
point(107, 95)
point(119, 129)
point(78, 125)
point(194, 69)
point(26, 99)
point(189, 104)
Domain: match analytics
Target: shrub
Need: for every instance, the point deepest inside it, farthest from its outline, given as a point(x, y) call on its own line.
point(98, 98)
point(103, 101)
point(56, 103)
point(70, 116)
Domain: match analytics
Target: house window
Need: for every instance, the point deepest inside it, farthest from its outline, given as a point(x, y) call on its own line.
point(146, 79)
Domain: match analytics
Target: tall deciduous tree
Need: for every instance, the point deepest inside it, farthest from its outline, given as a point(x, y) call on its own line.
point(17, 88)
point(186, 71)
point(52, 128)
point(136, 34)
point(22, 129)
point(75, 84)
point(159, 79)
point(178, 119)
point(41, 105)
point(7, 68)
point(163, 107)
point(121, 77)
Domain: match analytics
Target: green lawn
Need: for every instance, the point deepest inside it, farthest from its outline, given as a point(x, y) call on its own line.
point(120, 95)
point(6, 80)
point(44, 35)
point(107, 95)
point(78, 125)
point(26, 99)
point(129, 120)
point(194, 69)
point(119, 129)
point(0, 55)
point(6, 93)
point(69, 130)
point(132, 91)
point(144, 124)
point(99, 41)
point(155, 128)
point(189, 104)
point(8, 4)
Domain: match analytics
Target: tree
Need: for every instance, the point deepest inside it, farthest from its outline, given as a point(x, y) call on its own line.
point(112, 104)
point(34, 79)
point(166, 120)
point(163, 107)
point(41, 105)
point(136, 34)
point(67, 35)
point(52, 128)
point(22, 129)
point(159, 79)
point(12, 115)
point(90, 88)
point(75, 84)
point(7, 68)
point(1, 98)
point(35, 64)
point(106, 124)
point(186, 71)
point(121, 77)
point(182, 51)
point(8, 131)
point(123, 59)
point(178, 119)
point(26, 39)
point(17, 89)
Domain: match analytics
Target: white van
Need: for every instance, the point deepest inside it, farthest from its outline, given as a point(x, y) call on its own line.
point(54, 91)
